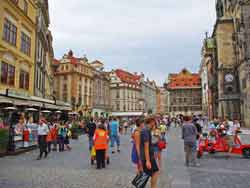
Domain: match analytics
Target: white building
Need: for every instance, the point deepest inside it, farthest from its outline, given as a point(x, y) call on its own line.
point(125, 89)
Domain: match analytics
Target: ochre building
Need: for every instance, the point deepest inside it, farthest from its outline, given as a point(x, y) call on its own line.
point(73, 82)
point(17, 46)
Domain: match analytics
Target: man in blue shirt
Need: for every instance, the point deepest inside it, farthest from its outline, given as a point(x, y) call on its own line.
point(114, 134)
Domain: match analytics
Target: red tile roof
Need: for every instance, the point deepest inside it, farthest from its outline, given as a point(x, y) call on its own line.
point(56, 62)
point(127, 77)
point(73, 60)
point(184, 79)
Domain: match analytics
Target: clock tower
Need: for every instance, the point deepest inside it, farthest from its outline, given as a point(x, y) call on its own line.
point(228, 87)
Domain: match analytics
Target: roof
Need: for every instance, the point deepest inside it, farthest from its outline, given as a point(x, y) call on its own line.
point(127, 76)
point(56, 62)
point(73, 60)
point(184, 79)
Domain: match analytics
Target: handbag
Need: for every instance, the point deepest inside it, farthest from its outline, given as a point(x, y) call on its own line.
point(93, 152)
point(162, 144)
point(140, 180)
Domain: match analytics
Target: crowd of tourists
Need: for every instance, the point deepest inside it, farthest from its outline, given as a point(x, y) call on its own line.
point(53, 137)
point(148, 137)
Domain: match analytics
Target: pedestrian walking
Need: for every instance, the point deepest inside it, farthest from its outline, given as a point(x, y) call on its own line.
point(149, 163)
point(42, 132)
point(90, 129)
point(114, 133)
point(156, 138)
point(100, 139)
point(125, 125)
point(61, 136)
point(136, 141)
point(54, 136)
point(189, 135)
point(67, 137)
point(49, 138)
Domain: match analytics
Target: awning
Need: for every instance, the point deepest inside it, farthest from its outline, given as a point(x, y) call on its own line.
point(51, 106)
point(126, 114)
point(5, 100)
point(65, 108)
point(39, 99)
point(18, 102)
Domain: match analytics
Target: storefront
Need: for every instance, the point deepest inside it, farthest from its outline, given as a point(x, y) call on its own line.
point(20, 116)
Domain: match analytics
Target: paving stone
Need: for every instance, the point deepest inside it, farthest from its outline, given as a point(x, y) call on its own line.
point(70, 169)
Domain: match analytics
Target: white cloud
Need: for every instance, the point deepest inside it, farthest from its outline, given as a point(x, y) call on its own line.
point(121, 28)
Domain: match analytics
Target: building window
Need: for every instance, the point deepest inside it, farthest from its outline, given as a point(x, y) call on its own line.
point(25, 43)
point(7, 74)
point(65, 93)
point(65, 77)
point(25, 7)
point(9, 32)
point(118, 106)
point(24, 80)
point(244, 83)
point(117, 94)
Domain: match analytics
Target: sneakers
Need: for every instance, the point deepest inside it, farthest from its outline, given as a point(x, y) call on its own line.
point(38, 158)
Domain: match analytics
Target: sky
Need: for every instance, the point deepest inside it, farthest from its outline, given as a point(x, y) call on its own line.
point(156, 37)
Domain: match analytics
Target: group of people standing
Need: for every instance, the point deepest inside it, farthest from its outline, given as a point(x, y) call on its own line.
point(52, 135)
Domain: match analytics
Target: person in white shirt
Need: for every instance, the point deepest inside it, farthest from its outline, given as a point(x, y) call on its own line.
point(42, 132)
point(230, 134)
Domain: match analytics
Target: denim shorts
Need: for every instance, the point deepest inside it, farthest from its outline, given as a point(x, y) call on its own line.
point(114, 139)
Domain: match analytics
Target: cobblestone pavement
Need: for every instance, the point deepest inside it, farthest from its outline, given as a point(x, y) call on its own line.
point(72, 169)
point(216, 171)
point(69, 169)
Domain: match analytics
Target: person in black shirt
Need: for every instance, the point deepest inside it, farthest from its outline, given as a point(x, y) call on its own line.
point(198, 128)
point(91, 127)
point(147, 158)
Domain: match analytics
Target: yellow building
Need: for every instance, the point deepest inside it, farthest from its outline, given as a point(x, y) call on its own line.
point(17, 46)
point(73, 82)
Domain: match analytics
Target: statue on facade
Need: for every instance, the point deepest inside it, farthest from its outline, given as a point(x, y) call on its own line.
point(219, 9)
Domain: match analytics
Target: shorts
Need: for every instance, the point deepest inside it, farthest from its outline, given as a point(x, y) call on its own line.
point(151, 171)
point(230, 140)
point(190, 147)
point(156, 148)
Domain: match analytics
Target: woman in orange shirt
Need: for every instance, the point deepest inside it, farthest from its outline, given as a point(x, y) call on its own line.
point(49, 138)
point(100, 144)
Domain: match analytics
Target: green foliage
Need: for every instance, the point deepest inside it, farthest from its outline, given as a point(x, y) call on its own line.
point(4, 139)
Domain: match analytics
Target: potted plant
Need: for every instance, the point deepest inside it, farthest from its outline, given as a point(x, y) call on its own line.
point(4, 139)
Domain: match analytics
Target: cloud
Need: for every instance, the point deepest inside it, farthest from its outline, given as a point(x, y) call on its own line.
point(151, 36)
